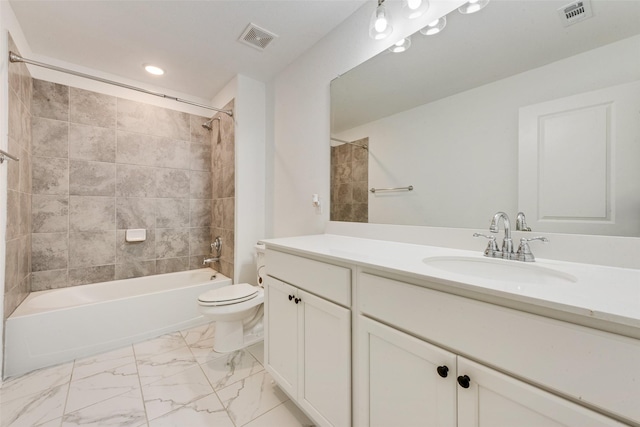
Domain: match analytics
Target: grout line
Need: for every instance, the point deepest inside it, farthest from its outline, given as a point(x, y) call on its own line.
point(66, 399)
point(144, 406)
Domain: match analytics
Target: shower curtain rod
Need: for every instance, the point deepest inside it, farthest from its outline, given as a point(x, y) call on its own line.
point(17, 58)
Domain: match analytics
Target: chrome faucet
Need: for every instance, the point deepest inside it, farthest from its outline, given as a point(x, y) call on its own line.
point(215, 246)
point(521, 222)
point(524, 251)
point(208, 261)
point(507, 243)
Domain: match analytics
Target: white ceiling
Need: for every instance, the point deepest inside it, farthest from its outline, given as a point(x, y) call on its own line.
point(196, 42)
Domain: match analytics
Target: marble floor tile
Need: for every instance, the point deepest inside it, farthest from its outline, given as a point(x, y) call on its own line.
point(199, 333)
point(159, 345)
point(88, 366)
point(251, 397)
point(33, 382)
point(165, 381)
point(35, 409)
point(230, 368)
point(53, 423)
point(257, 351)
point(169, 394)
point(284, 415)
point(151, 369)
point(126, 410)
point(205, 412)
point(102, 386)
point(203, 351)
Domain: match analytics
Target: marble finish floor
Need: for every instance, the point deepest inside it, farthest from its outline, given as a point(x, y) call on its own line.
point(173, 380)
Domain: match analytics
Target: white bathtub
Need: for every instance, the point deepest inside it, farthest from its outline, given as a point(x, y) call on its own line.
point(60, 325)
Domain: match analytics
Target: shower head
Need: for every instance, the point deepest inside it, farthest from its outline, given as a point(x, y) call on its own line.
point(207, 124)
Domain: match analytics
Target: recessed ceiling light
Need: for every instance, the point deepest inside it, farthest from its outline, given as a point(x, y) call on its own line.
point(152, 69)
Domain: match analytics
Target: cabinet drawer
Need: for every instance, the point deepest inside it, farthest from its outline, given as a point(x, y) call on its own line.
point(591, 366)
point(325, 280)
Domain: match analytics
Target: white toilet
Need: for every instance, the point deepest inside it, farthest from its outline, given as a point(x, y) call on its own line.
point(238, 311)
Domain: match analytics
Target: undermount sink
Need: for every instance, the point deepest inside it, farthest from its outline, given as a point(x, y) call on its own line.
point(499, 269)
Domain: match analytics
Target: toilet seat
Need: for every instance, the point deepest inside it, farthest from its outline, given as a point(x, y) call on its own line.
point(228, 295)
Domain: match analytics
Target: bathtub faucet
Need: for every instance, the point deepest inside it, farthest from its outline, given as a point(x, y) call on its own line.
point(208, 261)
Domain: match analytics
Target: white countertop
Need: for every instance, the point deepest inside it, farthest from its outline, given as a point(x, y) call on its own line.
point(601, 293)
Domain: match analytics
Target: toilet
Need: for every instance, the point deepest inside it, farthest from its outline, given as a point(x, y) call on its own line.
point(238, 311)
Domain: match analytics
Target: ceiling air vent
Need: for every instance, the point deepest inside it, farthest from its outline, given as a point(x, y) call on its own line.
point(575, 12)
point(257, 37)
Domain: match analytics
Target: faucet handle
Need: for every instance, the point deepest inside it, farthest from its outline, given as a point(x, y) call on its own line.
point(492, 250)
point(541, 238)
point(524, 251)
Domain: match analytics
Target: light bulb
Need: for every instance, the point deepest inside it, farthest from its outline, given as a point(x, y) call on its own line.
point(413, 9)
point(472, 6)
point(401, 45)
point(434, 27)
point(381, 22)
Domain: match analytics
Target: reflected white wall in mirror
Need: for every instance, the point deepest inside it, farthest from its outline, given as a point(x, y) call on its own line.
point(448, 123)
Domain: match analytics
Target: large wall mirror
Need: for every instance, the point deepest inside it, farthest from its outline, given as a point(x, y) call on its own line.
point(506, 110)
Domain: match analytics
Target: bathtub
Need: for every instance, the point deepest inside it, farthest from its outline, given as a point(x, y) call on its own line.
point(60, 325)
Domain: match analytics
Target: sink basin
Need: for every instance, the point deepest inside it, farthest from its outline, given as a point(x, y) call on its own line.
point(499, 269)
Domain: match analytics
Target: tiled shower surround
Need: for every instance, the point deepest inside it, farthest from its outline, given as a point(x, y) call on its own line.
point(18, 232)
point(102, 165)
point(349, 182)
point(223, 188)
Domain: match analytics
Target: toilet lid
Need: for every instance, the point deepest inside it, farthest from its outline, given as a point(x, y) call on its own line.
point(229, 294)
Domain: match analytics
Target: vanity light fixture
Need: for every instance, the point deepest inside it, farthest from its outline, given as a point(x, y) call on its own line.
point(413, 9)
point(401, 45)
point(380, 24)
point(434, 27)
point(152, 69)
point(472, 6)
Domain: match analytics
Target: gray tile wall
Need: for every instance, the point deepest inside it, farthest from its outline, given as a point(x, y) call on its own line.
point(223, 188)
point(349, 182)
point(18, 233)
point(103, 164)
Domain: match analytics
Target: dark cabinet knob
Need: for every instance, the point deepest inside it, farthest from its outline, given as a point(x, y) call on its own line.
point(464, 381)
point(290, 297)
point(298, 300)
point(443, 371)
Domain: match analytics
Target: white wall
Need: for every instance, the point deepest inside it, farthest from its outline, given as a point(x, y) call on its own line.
point(250, 173)
point(8, 23)
point(461, 153)
point(298, 153)
point(298, 148)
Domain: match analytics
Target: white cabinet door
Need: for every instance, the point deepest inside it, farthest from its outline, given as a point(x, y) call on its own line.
point(497, 400)
point(401, 380)
point(324, 387)
point(281, 334)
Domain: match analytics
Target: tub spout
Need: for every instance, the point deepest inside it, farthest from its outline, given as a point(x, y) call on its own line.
point(208, 261)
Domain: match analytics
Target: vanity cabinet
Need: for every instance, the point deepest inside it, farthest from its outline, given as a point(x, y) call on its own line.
point(409, 382)
point(426, 351)
point(403, 381)
point(408, 334)
point(308, 338)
